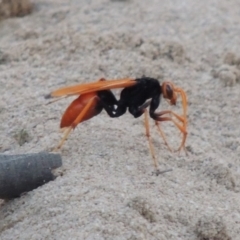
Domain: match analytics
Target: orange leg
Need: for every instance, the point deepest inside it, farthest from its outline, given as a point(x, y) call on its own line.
point(149, 138)
point(79, 119)
point(162, 135)
point(182, 128)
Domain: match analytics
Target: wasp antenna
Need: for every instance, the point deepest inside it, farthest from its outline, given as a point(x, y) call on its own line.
point(184, 99)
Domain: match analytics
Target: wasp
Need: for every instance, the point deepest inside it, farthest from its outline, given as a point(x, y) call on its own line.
point(136, 96)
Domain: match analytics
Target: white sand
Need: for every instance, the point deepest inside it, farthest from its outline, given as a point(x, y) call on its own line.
point(107, 190)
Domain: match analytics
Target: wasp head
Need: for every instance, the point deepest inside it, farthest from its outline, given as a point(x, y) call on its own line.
point(169, 92)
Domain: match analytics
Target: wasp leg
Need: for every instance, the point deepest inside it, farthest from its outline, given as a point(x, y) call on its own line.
point(79, 119)
point(149, 138)
point(158, 117)
point(108, 101)
point(138, 111)
point(162, 135)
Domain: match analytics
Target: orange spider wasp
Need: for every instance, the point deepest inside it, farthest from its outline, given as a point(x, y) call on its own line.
point(137, 95)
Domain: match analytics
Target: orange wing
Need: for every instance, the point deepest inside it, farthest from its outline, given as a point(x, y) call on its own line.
point(93, 87)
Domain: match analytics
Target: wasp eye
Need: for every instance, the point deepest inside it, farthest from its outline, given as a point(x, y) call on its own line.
point(169, 91)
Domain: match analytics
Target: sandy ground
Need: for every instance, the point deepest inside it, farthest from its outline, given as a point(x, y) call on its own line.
point(107, 189)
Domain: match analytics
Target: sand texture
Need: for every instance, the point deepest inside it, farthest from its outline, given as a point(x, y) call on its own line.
point(106, 189)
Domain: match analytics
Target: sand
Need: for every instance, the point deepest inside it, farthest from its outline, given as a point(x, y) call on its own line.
point(106, 188)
